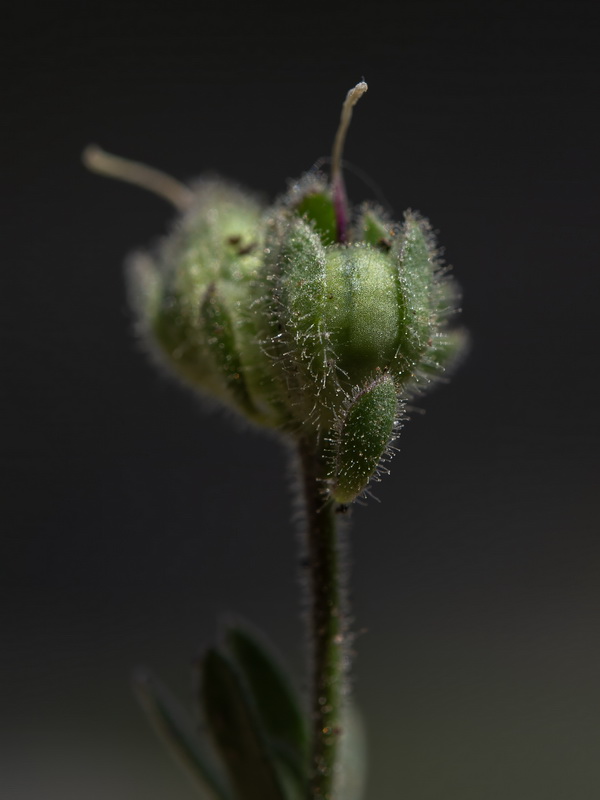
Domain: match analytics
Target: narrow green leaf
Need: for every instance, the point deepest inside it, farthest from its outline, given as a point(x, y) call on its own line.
point(177, 731)
point(274, 695)
point(238, 734)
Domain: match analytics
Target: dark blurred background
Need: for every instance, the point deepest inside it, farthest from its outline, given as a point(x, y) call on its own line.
point(133, 518)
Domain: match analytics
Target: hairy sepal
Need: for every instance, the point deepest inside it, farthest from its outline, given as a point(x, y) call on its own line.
point(362, 438)
point(427, 302)
point(221, 339)
point(294, 284)
point(310, 199)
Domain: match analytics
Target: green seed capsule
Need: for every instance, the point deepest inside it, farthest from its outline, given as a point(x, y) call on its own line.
point(363, 435)
point(362, 310)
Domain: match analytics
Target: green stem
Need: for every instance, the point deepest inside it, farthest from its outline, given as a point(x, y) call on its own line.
point(327, 620)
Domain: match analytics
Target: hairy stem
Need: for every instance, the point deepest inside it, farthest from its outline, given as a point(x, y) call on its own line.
point(327, 621)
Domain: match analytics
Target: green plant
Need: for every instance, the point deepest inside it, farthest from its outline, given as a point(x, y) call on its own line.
point(318, 320)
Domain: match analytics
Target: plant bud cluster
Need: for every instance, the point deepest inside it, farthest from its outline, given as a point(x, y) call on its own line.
point(268, 311)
